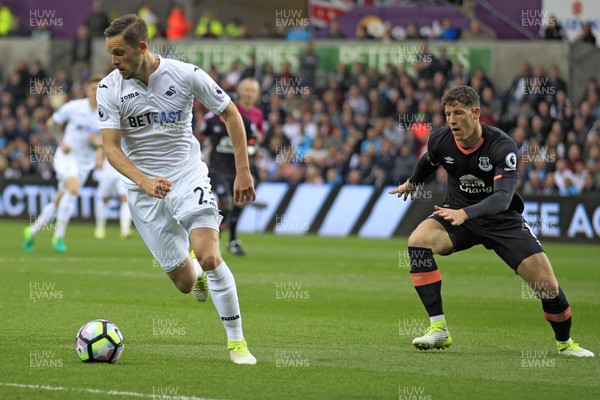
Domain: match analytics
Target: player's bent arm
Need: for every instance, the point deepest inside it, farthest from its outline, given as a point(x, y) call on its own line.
point(243, 185)
point(423, 170)
point(237, 132)
point(497, 202)
point(111, 140)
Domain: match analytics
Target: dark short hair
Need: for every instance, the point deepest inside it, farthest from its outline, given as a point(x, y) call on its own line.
point(133, 29)
point(461, 94)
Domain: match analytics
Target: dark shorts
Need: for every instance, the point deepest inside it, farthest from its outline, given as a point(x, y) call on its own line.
point(507, 234)
point(222, 184)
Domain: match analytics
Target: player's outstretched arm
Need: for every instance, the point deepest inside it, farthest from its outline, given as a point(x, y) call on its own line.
point(423, 170)
point(243, 186)
point(155, 187)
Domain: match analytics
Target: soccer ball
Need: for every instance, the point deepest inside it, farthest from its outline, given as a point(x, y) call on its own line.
point(99, 341)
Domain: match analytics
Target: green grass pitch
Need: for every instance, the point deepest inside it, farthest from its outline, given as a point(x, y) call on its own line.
point(327, 318)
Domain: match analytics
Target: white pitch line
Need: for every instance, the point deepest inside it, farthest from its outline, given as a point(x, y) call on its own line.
point(106, 392)
point(72, 259)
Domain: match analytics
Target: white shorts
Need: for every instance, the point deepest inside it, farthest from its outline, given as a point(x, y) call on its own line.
point(67, 167)
point(110, 185)
point(165, 224)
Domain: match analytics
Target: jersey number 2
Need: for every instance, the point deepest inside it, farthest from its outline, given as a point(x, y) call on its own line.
point(201, 194)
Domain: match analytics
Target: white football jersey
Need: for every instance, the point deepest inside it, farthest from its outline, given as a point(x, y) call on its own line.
point(156, 120)
point(81, 121)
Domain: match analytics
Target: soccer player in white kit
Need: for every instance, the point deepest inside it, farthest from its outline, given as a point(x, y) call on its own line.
point(145, 113)
point(74, 158)
point(110, 185)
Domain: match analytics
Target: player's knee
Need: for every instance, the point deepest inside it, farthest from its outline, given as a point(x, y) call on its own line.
point(417, 239)
point(210, 260)
point(72, 186)
point(547, 289)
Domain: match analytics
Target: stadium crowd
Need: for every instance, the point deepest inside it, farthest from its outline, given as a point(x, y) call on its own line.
point(356, 125)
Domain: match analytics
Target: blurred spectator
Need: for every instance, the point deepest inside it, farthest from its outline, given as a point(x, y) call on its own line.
point(97, 21)
point(442, 63)
point(362, 33)
point(550, 188)
point(42, 31)
point(253, 69)
point(412, 32)
point(555, 81)
point(232, 77)
point(553, 31)
point(586, 35)
point(17, 87)
point(18, 29)
point(335, 31)
point(266, 31)
point(81, 52)
point(309, 62)
point(405, 163)
point(209, 26)
point(146, 12)
point(518, 88)
point(6, 19)
point(449, 31)
point(298, 34)
point(233, 28)
point(534, 185)
point(475, 32)
point(313, 175)
point(589, 186)
point(178, 26)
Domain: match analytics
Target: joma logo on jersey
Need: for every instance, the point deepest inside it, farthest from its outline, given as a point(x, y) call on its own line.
point(129, 96)
point(472, 184)
point(162, 118)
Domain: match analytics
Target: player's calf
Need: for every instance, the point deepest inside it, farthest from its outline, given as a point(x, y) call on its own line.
point(183, 276)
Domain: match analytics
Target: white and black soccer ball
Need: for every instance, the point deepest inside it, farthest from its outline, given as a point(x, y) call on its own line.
point(99, 341)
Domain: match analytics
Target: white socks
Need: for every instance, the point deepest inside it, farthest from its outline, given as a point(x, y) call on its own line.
point(63, 215)
point(44, 218)
point(197, 267)
point(125, 219)
point(436, 318)
point(224, 294)
point(100, 214)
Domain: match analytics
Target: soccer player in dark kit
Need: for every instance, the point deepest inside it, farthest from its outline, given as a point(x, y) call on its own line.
point(481, 207)
point(222, 172)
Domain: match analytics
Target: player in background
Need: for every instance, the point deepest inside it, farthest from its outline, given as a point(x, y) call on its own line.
point(221, 170)
point(147, 104)
point(110, 185)
point(481, 207)
point(74, 158)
